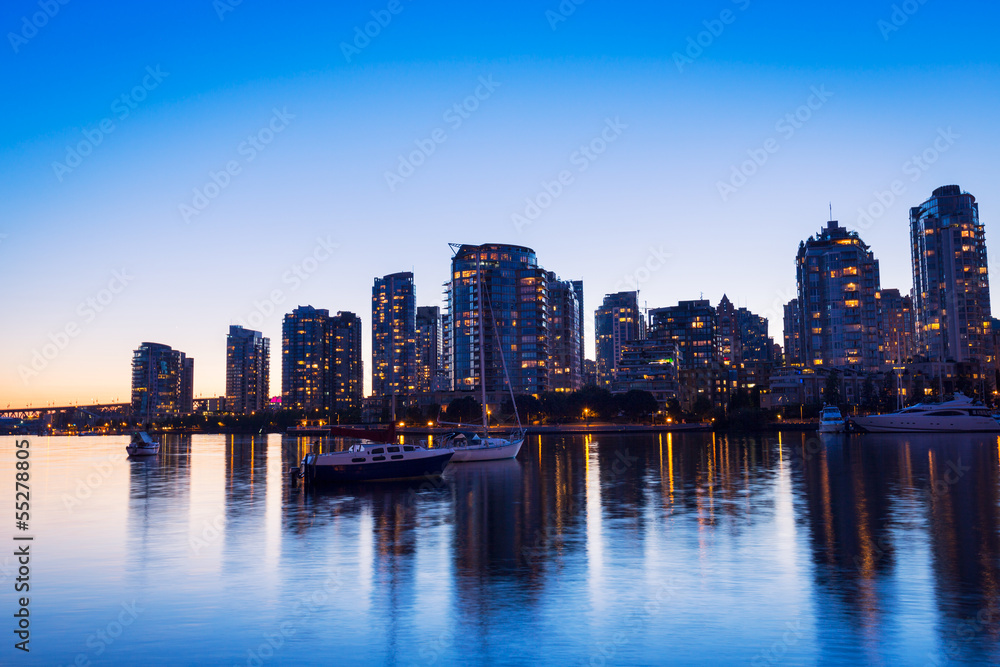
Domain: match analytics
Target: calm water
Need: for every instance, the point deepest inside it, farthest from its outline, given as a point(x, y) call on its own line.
point(680, 549)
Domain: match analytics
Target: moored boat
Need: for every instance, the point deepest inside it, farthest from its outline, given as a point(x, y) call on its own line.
point(477, 448)
point(959, 415)
point(831, 421)
point(374, 462)
point(142, 445)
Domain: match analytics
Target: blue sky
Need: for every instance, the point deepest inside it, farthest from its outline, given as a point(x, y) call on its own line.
point(328, 128)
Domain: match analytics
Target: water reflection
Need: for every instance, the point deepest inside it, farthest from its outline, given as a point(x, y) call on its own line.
point(791, 548)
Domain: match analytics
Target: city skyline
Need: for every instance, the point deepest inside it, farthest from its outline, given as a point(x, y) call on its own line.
point(126, 243)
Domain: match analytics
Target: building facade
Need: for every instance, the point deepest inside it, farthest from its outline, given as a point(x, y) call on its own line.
point(428, 349)
point(565, 313)
point(321, 365)
point(248, 363)
point(951, 289)
point(838, 278)
point(162, 382)
point(617, 323)
point(516, 319)
point(346, 363)
point(793, 334)
point(648, 365)
point(394, 335)
point(896, 327)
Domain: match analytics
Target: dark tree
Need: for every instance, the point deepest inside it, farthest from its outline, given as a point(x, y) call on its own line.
point(465, 410)
point(831, 390)
point(637, 404)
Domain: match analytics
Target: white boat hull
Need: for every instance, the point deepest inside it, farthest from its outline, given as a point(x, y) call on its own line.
point(832, 428)
point(901, 423)
point(142, 451)
point(487, 452)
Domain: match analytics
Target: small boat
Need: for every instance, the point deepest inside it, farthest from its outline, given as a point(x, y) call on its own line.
point(831, 421)
point(476, 448)
point(142, 445)
point(959, 415)
point(374, 462)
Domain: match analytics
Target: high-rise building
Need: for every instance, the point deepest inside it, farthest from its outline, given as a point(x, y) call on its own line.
point(516, 318)
point(895, 327)
point(321, 360)
point(305, 359)
point(162, 382)
point(617, 323)
point(648, 365)
point(248, 362)
point(838, 277)
point(793, 334)
point(346, 363)
point(578, 288)
point(394, 335)
point(693, 327)
point(951, 288)
point(565, 311)
point(428, 334)
point(730, 347)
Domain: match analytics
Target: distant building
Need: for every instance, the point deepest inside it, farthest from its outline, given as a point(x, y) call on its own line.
point(648, 365)
point(896, 327)
point(589, 372)
point(305, 360)
point(248, 362)
point(516, 319)
point(756, 349)
point(394, 335)
point(578, 289)
point(565, 312)
point(428, 348)
point(346, 362)
point(730, 344)
point(838, 278)
point(793, 334)
point(617, 323)
point(321, 360)
point(691, 326)
point(951, 288)
point(162, 382)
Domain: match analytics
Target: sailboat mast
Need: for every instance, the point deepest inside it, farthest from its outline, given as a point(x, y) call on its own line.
point(482, 346)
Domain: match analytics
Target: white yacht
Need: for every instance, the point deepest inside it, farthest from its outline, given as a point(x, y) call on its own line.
point(958, 415)
point(830, 420)
point(473, 447)
point(142, 445)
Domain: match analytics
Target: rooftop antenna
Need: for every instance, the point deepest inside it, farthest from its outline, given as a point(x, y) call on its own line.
point(831, 210)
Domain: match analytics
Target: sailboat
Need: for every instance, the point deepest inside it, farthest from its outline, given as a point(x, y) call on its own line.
point(480, 446)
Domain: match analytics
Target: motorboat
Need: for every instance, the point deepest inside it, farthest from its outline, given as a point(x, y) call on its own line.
point(831, 421)
point(960, 415)
point(374, 462)
point(474, 447)
point(142, 445)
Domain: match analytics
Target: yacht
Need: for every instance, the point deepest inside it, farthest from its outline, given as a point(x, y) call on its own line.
point(142, 445)
point(958, 415)
point(473, 447)
point(374, 462)
point(831, 421)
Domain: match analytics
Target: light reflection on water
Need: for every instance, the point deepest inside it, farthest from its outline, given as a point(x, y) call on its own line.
point(680, 548)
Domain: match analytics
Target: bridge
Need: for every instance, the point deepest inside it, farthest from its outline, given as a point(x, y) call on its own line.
point(101, 411)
